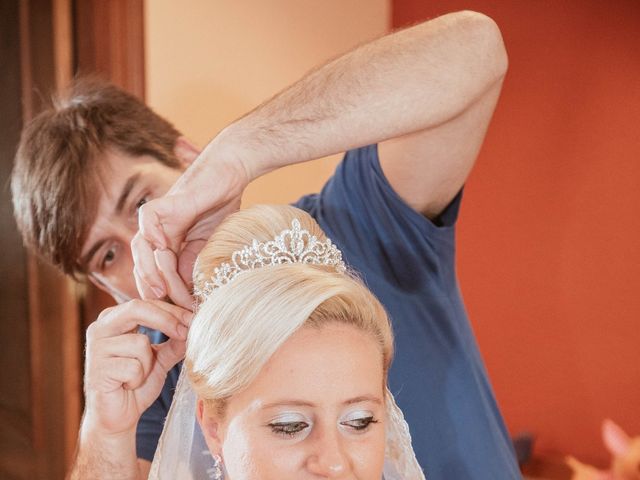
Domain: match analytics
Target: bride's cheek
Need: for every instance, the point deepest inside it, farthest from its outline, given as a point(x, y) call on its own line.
point(269, 460)
point(239, 451)
point(368, 457)
point(286, 461)
point(255, 453)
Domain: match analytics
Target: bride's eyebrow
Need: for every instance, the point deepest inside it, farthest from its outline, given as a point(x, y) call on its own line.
point(363, 398)
point(288, 403)
point(303, 403)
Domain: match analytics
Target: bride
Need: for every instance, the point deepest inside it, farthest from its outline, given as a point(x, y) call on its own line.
point(286, 364)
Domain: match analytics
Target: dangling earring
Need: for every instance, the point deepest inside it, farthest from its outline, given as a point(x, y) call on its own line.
point(215, 472)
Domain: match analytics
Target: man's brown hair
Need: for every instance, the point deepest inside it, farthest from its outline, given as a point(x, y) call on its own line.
point(54, 178)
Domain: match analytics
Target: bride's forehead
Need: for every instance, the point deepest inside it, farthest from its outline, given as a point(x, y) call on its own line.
point(319, 366)
point(325, 347)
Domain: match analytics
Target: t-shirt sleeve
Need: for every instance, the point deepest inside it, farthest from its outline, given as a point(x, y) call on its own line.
point(359, 209)
point(364, 172)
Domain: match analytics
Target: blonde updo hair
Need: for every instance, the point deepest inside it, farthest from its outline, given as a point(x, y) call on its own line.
point(239, 326)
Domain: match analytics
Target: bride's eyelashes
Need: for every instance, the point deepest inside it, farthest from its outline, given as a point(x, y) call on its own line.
point(360, 424)
point(289, 429)
point(289, 425)
point(359, 421)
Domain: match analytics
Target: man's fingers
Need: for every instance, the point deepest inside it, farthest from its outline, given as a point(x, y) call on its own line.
point(163, 222)
point(144, 289)
point(146, 273)
point(185, 316)
point(176, 288)
point(132, 345)
point(149, 224)
point(167, 355)
point(124, 318)
point(127, 372)
point(187, 259)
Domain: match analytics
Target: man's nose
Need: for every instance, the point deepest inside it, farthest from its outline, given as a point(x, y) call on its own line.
point(329, 457)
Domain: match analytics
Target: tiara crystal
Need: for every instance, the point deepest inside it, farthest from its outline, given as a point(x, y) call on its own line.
point(295, 245)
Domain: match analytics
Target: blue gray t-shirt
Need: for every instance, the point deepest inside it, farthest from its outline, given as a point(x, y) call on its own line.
point(437, 375)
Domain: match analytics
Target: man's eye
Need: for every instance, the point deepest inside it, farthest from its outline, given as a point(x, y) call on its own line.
point(141, 202)
point(288, 429)
point(359, 423)
point(108, 258)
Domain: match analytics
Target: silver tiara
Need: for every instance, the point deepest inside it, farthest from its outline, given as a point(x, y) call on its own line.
point(290, 246)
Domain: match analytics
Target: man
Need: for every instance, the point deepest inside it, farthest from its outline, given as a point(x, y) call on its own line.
point(425, 95)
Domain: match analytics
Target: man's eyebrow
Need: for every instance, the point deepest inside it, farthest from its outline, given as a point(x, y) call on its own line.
point(126, 190)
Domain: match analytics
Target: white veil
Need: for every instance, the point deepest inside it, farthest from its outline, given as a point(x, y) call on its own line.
point(182, 452)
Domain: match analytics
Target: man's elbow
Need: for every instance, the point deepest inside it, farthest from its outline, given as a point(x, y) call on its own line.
point(485, 36)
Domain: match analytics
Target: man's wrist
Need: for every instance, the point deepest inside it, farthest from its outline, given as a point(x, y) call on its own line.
point(91, 431)
point(237, 145)
point(105, 454)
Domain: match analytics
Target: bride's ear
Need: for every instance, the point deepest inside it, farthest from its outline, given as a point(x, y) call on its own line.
point(210, 426)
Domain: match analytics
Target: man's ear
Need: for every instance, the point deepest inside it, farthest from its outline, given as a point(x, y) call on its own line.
point(186, 151)
point(210, 426)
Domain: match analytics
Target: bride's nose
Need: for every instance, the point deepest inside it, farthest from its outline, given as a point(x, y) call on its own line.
point(329, 457)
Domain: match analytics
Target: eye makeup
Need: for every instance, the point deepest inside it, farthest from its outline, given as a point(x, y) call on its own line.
point(289, 425)
point(358, 421)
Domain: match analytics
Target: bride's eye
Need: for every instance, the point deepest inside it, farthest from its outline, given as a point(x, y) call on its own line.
point(288, 429)
point(359, 424)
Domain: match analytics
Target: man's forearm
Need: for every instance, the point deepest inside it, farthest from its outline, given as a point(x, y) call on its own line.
point(412, 80)
point(105, 456)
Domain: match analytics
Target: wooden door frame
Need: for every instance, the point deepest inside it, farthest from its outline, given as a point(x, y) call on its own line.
point(110, 41)
point(54, 321)
point(58, 39)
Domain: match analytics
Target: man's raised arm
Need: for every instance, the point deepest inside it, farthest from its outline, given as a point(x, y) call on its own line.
point(431, 87)
point(413, 80)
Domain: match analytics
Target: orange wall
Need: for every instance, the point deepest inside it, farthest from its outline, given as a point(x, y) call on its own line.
point(549, 234)
point(210, 61)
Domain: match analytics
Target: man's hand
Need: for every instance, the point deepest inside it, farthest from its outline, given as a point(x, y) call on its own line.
point(124, 374)
point(174, 228)
point(124, 371)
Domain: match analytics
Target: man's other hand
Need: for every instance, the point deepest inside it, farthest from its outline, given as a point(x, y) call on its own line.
point(124, 372)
